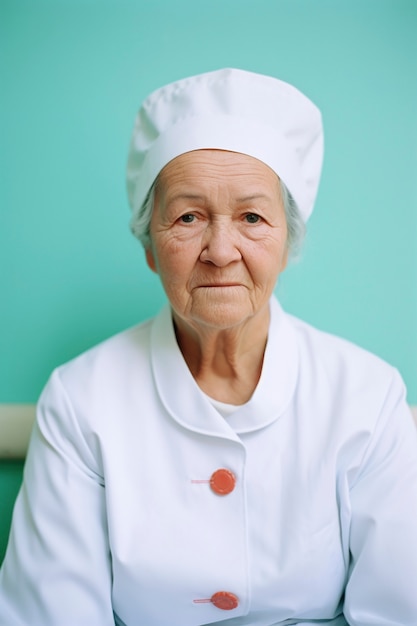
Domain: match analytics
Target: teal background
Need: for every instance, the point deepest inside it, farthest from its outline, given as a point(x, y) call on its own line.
point(72, 76)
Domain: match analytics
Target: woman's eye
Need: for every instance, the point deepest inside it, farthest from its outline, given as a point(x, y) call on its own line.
point(187, 218)
point(252, 218)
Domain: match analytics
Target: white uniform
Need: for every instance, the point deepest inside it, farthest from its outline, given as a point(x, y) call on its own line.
point(117, 523)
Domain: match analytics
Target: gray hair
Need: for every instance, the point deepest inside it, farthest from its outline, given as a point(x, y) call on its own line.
point(140, 225)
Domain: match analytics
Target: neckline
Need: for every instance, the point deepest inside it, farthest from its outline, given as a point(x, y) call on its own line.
point(186, 403)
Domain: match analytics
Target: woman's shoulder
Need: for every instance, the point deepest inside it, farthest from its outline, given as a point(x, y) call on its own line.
point(345, 380)
point(131, 343)
point(342, 364)
point(323, 347)
point(107, 368)
point(99, 385)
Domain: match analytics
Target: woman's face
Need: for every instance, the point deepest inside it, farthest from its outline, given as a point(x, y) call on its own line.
point(218, 237)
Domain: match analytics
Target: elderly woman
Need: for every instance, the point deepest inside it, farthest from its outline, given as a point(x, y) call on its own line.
point(223, 462)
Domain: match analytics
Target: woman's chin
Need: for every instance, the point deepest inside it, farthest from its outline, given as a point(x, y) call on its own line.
point(220, 316)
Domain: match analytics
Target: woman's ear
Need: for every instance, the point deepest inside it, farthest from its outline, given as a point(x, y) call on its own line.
point(285, 258)
point(150, 260)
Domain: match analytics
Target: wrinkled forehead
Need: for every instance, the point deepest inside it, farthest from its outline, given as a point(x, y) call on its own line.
point(213, 170)
point(218, 162)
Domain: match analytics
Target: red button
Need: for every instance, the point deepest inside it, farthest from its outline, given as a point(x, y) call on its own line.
point(222, 482)
point(225, 600)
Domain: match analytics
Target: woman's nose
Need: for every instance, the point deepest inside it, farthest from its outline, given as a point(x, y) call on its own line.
point(220, 245)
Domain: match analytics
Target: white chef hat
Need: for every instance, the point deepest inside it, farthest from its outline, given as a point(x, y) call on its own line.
point(233, 110)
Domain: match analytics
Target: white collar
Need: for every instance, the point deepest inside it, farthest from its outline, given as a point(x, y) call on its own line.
point(186, 403)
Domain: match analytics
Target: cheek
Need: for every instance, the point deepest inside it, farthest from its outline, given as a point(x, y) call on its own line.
point(268, 257)
point(174, 261)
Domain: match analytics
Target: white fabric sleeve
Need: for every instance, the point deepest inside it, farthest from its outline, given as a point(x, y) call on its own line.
point(382, 585)
point(57, 569)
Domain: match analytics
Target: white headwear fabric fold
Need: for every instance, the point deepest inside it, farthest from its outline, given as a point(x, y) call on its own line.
point(234, 110)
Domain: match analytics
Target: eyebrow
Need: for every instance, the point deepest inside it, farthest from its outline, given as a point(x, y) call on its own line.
point(255, 196)
point(186, 196)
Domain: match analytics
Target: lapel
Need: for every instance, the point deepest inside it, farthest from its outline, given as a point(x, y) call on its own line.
point(187, 405)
